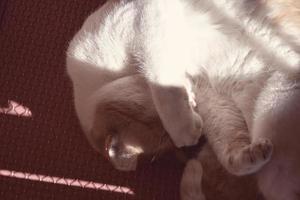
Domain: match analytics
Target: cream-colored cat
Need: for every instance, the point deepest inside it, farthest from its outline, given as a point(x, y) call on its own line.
point(232, 46)
point(169, 40)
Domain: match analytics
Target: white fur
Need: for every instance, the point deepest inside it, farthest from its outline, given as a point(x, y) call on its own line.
point(232, 43)
point(167, 39)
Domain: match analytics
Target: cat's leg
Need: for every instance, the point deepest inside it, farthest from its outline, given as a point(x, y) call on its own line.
point(174, 100)
point(166, 56)
point(191, 182)
point(177, 115)
point(228, 135)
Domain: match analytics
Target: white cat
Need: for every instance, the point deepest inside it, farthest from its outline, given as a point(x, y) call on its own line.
point(231, 44)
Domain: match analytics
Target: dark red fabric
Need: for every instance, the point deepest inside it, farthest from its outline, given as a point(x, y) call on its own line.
point(34, 35)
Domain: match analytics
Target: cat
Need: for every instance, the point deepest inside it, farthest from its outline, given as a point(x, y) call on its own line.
point(231, 44)
point(154, 33)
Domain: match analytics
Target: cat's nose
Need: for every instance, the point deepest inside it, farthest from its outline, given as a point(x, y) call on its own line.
point(121, 155)
point(114, 148)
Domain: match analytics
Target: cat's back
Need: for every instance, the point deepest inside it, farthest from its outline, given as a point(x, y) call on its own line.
point(98, 54)
point(103, 37)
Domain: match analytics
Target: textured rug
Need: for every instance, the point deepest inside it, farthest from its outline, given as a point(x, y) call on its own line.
point(43, 153)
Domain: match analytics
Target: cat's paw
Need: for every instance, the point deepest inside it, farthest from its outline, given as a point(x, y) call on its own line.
point(253, 157)
point(190, 135)
point(261, 150)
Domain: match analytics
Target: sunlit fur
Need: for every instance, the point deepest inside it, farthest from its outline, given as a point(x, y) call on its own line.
point(167, 39)
point(235, 45)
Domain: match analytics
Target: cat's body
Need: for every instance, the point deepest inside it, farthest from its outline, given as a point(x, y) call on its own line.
point(231, 45)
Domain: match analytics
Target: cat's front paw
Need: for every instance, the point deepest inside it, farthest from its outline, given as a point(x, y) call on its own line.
point(189, 135)
point(252, 157)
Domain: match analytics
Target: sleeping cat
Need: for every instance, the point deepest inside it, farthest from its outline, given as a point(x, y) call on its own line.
point(166, 41)
point(231, 44)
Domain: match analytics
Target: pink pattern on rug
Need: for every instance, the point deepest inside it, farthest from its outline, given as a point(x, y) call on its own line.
point(66, 181)
point(16, 109)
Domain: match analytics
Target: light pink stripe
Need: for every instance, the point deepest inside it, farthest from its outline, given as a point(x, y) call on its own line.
point(16, 109)
point(66, 181)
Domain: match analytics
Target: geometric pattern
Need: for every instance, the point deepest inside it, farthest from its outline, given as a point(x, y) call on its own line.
point(66, 181)
point(16, 109)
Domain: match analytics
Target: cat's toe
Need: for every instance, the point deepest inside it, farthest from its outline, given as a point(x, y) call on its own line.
point(189, 133)
point(262, 150)
point(254, 156)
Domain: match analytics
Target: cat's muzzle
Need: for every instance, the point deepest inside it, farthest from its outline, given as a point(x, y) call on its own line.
point(123, 157)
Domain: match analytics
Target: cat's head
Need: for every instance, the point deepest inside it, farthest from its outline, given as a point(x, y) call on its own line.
point(127, 128)
point(130, 137)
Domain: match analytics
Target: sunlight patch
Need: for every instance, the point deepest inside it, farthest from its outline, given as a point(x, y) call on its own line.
point(16, 109)
point(66, 181)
